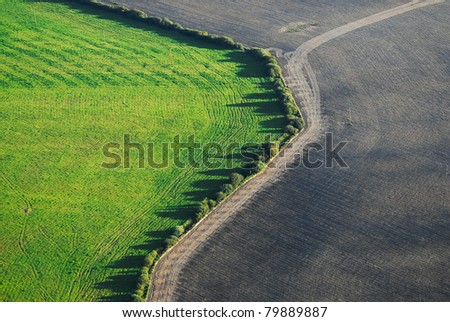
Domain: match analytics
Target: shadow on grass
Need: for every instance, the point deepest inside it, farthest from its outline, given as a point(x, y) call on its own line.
point(123, 283)
point(265, 104)
point(176, 212)
point(104, 14)
point(249, 65)
point(123, 286)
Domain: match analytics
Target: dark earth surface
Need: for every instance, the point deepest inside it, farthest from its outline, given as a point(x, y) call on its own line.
point(258, 22)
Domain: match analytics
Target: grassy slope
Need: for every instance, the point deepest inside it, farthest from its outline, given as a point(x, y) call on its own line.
point(71, 81)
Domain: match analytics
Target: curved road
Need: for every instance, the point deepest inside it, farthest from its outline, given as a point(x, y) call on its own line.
point(301, 79)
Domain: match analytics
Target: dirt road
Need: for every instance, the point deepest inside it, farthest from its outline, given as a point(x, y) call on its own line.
point(302, 79)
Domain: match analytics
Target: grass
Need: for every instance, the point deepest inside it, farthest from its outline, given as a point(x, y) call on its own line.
point(73, 79)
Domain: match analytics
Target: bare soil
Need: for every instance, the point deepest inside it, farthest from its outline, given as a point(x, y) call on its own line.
point(258, 22)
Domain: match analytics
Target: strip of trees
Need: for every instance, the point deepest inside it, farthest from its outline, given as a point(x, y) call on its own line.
point(165, 23)
point(291, 110)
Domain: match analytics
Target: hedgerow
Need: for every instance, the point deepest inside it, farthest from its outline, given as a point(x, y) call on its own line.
point(166, 23)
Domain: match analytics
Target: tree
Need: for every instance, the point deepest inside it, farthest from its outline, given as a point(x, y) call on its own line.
point(298, 123)
point(171, 241)
point(273, 149)
point(199, 216)
point(290, 108)
point(290, 118)
point(279, 83)
point(236, 179)
point(274, 71)
point(287, 97)
point(178, 231)
point(211, 203)
point(290, 129)
point(187, 224)
point(150, 259)
point(139, 293)
point(256, 166)
point(137, 297)
point(227, 188)
point(203, 207)
point(220, 196)
point(144, 280)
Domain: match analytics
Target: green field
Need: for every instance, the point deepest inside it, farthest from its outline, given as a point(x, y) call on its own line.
point(73, 79)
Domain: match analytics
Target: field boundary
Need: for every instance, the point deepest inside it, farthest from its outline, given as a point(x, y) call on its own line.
point(295, 125)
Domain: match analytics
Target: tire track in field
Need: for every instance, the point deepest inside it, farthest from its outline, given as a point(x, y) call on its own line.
point(21, 240)
point(65, 265)
point(23, 250)
point(301, 79)
point(28, 205)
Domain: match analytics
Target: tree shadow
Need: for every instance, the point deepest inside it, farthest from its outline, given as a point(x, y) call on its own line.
point(273, 125)
point(249, 66)
point(123, 284)
point(262, 96)
point(156, 240)
point(206, 188)
point(143, 24)
point(176, 212)
point(268, 107)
